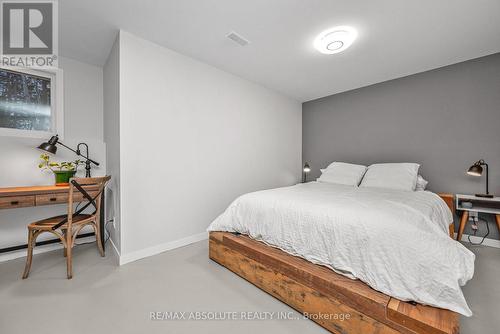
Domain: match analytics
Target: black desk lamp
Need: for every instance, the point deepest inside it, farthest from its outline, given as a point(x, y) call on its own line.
point(51, 147)
point(305, 170)
point(477, 170)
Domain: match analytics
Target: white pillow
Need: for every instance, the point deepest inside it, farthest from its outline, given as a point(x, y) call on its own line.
point(400, 176)
point(342, 173)
point(421, 183)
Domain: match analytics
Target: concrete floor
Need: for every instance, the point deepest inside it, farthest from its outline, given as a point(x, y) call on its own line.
point(104, 298)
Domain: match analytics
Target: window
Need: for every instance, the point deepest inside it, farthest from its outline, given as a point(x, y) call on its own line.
point(30, 105)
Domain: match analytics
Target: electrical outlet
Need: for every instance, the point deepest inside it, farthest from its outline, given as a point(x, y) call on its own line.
point(473, 215)
point(114, 223)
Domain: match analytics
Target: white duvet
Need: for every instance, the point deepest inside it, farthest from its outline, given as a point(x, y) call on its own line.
point(395, 241)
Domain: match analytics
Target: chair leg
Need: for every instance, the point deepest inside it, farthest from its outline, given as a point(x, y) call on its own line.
point(98, 239)
point(69, 254)
point(65, 249)
point(69, 263)
point(29, 256)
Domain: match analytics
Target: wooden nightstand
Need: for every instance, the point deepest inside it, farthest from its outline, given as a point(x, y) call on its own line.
point(479, 205)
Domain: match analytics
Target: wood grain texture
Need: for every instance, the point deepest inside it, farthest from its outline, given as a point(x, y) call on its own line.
point(352, 292)
point(463, 222)
point(450, 201)
point(316, 289)
point(13, 202)
point(61, 197)
point(497, 218)
point(451, 230)
point(296, 295)
point(423, 319)
point(21, 197)
point(37, 190)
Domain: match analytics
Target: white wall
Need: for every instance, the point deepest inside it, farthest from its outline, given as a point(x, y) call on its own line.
point(83, 101)
point(192, 139)
point(112, 140)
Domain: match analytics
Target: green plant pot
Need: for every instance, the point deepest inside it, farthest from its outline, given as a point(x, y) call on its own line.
point(62, 177)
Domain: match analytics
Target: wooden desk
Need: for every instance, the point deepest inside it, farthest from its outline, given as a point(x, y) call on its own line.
point(21, 197)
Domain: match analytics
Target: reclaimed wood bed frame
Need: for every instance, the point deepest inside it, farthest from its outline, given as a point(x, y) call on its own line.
point(335, 302)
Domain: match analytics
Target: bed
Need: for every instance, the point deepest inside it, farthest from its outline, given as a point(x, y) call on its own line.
point(305, 244)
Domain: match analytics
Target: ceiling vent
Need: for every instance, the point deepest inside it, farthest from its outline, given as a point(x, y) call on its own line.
point(238, 39)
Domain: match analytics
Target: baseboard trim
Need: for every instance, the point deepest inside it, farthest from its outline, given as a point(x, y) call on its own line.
point(150, 251)
point(116, 253)
point(487, 242)
point(39, 250)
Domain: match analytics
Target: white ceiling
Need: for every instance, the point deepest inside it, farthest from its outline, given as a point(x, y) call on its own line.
point(396, 38)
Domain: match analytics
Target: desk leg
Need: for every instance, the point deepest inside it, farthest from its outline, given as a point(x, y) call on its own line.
point(102, 220)
point(498, 221)
point(463, 221)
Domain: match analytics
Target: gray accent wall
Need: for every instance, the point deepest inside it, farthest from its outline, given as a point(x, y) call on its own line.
point(444, 119)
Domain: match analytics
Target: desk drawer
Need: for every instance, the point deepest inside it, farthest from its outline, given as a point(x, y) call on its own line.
point(48, 199)
point(51, 199)
point(12, 202)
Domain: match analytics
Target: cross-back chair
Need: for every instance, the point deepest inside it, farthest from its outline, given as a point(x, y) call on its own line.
point(86, 191)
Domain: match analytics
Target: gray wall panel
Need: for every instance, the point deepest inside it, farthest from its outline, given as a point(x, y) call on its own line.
point(444, 119)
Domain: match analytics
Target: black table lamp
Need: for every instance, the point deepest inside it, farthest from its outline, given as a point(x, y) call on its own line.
point(305, 171)
point(51, 147)
point(477, 170)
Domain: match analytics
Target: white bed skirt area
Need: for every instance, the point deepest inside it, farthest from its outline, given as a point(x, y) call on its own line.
point(395, 241)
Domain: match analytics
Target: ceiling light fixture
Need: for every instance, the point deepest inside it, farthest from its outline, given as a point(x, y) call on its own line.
point(335, 40)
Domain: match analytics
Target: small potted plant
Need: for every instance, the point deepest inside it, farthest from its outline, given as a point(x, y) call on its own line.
point(63, 171)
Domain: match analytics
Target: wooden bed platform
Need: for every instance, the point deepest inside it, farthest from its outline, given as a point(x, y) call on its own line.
point(335, 302)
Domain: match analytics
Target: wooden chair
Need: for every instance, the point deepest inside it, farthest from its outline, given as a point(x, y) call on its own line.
point(67, 227)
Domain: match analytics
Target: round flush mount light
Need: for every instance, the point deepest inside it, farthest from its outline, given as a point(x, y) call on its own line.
point(335, 40)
